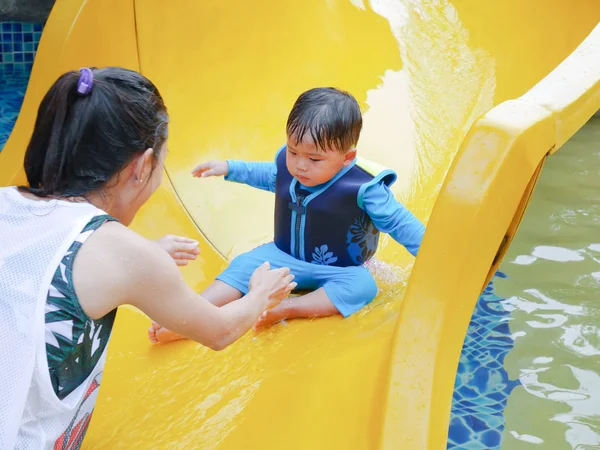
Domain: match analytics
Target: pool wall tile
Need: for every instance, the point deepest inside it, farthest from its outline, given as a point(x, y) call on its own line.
point(18, 44)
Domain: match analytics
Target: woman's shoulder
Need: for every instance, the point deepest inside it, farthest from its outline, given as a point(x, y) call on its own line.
point(117, 236)
point(113, 262)
point(116, 246)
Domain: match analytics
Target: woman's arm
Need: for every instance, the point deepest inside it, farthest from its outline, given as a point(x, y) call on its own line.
point(116, 266)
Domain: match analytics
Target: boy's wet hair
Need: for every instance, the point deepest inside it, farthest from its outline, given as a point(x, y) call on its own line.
point(80, 141)
point(330, 116)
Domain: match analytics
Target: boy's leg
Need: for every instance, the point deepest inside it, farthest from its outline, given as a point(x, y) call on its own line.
point(220, 294)
point(344, 291)
point(312, 305)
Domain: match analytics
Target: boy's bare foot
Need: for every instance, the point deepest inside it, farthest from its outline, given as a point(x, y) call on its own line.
point(270, 317)
point(159, 334)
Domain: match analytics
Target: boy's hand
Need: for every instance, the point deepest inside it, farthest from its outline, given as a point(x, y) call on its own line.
point(181, 249)
point(211, 169)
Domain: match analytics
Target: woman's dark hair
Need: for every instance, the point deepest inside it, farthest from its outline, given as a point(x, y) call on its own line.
point(80, 141)
point(331, 117)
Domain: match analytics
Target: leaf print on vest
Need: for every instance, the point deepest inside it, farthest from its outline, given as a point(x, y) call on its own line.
point(323, 256)
point(362, 239)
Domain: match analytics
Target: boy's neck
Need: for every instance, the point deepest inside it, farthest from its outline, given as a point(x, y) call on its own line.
point(319, 186)
point(310, 188)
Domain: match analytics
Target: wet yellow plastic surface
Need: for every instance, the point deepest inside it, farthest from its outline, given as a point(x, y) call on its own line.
point(423, 72)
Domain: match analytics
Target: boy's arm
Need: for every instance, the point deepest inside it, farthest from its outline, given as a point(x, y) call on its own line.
point(260, 175)
point(391, 217)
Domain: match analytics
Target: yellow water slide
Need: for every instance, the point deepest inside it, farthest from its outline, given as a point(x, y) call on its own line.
point(463, 98)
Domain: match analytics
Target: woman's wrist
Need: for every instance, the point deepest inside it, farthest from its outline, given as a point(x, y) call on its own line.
point(260, 295)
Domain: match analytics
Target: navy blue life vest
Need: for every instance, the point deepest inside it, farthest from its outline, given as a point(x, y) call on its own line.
point(327, 226)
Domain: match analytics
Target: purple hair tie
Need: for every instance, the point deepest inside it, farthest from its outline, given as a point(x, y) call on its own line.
point(86, 80)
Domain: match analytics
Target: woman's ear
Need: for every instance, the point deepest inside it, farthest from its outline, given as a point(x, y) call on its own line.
point(142, 166)
point(349, 156)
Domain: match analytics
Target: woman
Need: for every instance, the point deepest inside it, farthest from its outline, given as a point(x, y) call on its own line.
point(95, 157)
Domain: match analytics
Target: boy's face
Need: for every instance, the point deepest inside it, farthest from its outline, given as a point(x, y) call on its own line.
point(313, 166)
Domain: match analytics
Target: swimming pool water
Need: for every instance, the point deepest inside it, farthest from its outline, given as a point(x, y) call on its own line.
point(482, 385)
point(553, 295)
point(529, 372)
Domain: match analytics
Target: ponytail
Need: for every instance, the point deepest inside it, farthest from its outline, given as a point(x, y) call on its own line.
point(89, 126)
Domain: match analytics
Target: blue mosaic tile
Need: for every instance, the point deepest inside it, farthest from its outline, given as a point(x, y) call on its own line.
point(482, 385)
point(18, 43)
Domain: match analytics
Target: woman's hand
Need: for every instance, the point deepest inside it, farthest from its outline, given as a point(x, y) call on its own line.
point(181, 249)
point(277, 283)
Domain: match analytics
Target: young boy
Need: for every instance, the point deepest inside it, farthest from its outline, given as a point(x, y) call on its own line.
point(328, 214)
